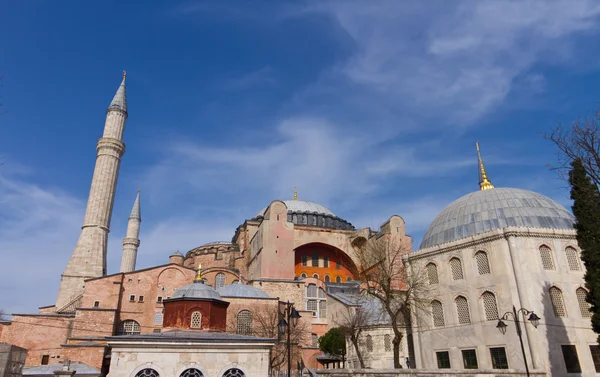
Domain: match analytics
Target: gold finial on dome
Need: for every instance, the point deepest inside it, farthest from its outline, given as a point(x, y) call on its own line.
point(484, 183)
point(295, 194)
point(199, 275)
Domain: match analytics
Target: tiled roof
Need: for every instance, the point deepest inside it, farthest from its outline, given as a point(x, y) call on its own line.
point(195, 336)
point(79, 368)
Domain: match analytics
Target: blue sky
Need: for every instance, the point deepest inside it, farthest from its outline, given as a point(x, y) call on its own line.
point(369, 108)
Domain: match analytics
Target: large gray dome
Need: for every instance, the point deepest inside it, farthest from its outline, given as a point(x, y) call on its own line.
point(196, 290)
point(482, 211)
point(296, 205)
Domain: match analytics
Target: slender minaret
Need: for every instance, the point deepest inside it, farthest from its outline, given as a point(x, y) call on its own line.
point(484, 182)
point(89, 257)
point(131, 242)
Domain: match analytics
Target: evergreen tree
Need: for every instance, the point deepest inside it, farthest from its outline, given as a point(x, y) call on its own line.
point(586, 208)
point(333, 342)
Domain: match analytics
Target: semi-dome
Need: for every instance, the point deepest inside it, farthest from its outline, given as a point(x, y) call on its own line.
point(196, 290)
point(241, 290)
point(495, 208)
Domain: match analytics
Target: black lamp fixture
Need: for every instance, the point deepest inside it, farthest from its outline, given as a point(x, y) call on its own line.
point(292, 316)
point(501, 326)
point(533, 318)
point(283, 325)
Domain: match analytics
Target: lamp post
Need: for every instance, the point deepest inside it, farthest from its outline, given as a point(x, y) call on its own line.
point(533, 318)
point(291, 314)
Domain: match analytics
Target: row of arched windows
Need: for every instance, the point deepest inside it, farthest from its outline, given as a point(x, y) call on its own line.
point(490, 309)
point(327, 278)
point(481, 259)
point(387, 343)
point(548, 261)
point(558, 304)
point(190, 372)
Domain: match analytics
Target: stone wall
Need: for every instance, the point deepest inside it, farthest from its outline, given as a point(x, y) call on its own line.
point(423, 373)
point(12, 359)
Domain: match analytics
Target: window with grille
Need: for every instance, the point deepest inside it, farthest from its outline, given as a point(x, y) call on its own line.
point(311, 305)
point(387, 342)
point(443, 359)
point(338, 279)
point(572, 258)
point(456, 267)
point(569, 352)
point(558, 305)
point(305, 260)
point(147, 372)
point(322, 309)
point(546, 256)
point(234, 372)
point(432, 273)
point(483, 265)
point(327, 279)
point(129, 327)
point(315, 259)
point(584, 307)
point(220, 280)
point(325, 261)
point(595, 351)
point(158, 318)
point(244, 322)
point(462, 308)
point(192, 372)
point(437, 312)
point(469, 359)
point(499, 360)
point(196, 320)
point(311, 290)
point(490, 306)
point(369, 343)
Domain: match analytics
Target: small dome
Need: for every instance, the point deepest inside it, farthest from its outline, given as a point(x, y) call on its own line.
point(497, 208)
point(177, 254)
point(196, 290)
point(241, 290)
point(302, 206)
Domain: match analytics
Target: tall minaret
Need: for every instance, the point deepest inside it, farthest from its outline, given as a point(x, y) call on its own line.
point(131, 242)
point(89, 257)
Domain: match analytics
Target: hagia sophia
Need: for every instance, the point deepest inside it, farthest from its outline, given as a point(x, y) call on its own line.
point(208, 311)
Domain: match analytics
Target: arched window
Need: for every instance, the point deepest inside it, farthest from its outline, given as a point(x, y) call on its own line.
point(462, 308)
point(572, 258)
point(546, 256)
point(349, 278)
point(236, 281)
point(387, 342)
point(558, 305)
point(220, 280)
point(456, 267)
point(338, 279)
point(327, 279)
point(369, 343)
point(129, 327)
point(158, 318)
point(234, 372)
point(316, 301)
point(316, 276)
point(437, 312)
point(244, 322)
point(191, 372)
point(303, 274)
point(490, 306)
point(584, 307)
point(147, 372)
point(432, 273)
point(483, 265)
point(196, 320)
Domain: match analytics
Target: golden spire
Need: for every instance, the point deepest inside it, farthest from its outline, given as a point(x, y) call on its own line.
point(295, 194)
point(124, 73)
point(484, 183)
point(198, 275)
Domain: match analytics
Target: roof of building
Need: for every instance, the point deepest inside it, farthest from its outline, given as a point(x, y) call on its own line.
point(119, 101)
point(79, 368)
point(196, 290)
point(495, 208)
point(371, 306)
point(193, 335)
point(296, 205)
point(135, 210)
point(243, 291)
point(216, 243)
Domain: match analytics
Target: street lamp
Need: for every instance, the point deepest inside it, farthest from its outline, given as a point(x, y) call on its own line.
point(292, 316)
point(533, 318)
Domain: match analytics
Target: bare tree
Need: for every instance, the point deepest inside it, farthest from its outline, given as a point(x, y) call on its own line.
point(352, 322)
point(579, 141)
point(387, 279)
point(265, 321)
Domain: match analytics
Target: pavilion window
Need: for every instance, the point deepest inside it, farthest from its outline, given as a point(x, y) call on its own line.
point(490, 306)
point(546, 257)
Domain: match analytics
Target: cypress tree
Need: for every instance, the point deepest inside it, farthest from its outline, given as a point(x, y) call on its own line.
point(586, 208)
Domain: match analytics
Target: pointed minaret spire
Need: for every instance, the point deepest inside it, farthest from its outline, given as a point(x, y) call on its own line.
point(484, 183)
point(131, 242)
point(89, 256)
point(119, 101)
